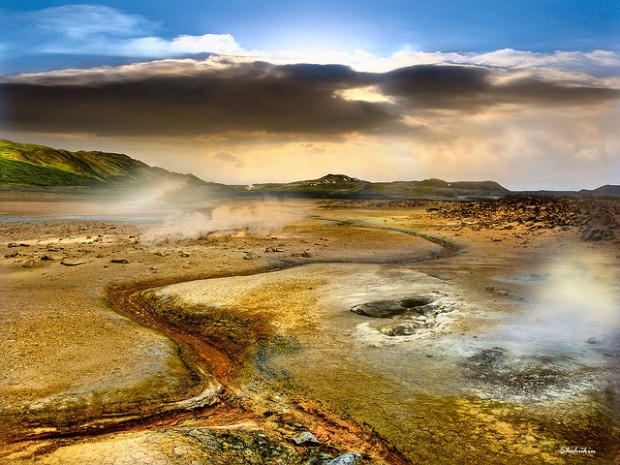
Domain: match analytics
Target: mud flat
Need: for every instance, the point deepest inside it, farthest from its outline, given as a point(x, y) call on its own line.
point(391, 334)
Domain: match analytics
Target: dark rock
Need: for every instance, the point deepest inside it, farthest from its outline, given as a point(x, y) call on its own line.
point(119, 260)
point(47, 258)
point(15, 244)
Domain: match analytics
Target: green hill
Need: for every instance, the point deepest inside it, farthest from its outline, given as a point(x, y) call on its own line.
point(31, 166)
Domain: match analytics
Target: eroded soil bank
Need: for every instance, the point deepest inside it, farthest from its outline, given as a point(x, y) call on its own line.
point(262, 331)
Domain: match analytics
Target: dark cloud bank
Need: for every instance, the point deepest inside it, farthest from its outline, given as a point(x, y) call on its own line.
point(246, 98)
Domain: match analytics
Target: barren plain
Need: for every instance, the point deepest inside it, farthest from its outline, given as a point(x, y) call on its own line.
point(310, 332)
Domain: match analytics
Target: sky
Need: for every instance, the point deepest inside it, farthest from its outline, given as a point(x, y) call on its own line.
point(522, 92)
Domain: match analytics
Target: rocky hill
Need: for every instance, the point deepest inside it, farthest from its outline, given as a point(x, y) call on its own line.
point(603, 191)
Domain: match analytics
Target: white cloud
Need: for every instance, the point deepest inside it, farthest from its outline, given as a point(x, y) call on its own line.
point(223, 44)
point(599, 67)
point(218, 43)
point(83, 22)
point(105, 31)
point(154, 47)
point(107, 74)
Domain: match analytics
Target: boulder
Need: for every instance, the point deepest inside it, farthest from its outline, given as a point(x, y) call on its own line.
point(306, 439)
point(350, 458)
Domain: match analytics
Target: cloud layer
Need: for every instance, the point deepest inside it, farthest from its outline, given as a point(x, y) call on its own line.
point(227, 97)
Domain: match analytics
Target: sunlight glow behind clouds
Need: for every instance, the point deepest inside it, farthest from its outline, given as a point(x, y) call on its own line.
point(223, 44)
point(366, 94)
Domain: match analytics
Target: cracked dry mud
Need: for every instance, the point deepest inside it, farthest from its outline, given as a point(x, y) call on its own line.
point(225, 348)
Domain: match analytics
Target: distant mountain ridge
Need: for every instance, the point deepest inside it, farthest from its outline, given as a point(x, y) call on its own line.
point(343, 186)
point(603, 191)
point(31, 166)
point(609, 190)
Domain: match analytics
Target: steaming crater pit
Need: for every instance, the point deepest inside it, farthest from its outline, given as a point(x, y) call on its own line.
point(391, 308)
point(410, 315)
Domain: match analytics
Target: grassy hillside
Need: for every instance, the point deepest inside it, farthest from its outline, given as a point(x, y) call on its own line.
point(37, 165)
point(15, 173)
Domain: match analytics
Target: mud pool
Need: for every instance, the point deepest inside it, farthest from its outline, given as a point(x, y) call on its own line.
point(422, 361)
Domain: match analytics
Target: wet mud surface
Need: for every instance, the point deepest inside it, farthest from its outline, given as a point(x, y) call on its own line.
point(391, 335)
